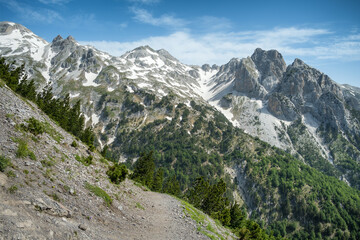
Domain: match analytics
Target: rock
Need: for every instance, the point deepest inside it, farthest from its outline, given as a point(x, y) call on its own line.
point(51, 207)
point(72, 191)
point(82, 227)
point(3, 179)
point(8, 212)
point(247, 80)
point(271, 66)
point(26, 224)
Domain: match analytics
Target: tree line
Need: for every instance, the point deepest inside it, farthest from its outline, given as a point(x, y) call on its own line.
point(68, 117)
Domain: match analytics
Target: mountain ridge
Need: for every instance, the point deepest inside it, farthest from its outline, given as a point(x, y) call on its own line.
point(259, 89)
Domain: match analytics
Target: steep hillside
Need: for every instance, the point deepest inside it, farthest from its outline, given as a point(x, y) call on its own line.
point(49, 192)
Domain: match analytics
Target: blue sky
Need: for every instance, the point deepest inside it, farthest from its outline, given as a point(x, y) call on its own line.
point(324, 33)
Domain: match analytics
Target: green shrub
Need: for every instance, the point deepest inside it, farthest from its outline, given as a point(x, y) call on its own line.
point(4, 162)
point(86, 161)
point(99, 192)
point(117, 173)
point(34, 126)
point(10, 174)
point(12, 189)
point(74, 144)
point(22, 150)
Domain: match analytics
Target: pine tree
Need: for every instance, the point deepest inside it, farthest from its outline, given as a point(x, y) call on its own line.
point(172, 186)
point(158, 180)
point(144, 169)
point(198, 192)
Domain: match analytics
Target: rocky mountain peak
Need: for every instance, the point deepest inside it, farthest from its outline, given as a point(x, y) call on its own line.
point(271, 66)
point(59, 44)
point(57, 38)
point(8, 27)
point(298, 62)
point(166, 54)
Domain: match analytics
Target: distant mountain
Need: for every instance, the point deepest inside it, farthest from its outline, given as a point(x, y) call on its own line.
point(224, 121)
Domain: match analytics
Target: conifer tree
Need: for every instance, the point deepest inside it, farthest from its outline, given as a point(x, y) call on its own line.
point(144, 169)
point(158, 180)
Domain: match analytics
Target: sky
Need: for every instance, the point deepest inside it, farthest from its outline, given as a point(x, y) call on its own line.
point(323, 33)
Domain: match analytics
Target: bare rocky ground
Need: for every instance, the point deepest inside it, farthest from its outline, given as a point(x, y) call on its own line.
point(45, 197)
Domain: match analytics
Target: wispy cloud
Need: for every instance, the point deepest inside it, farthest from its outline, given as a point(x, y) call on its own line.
point(221, 47)
point(144, 1)
point(211, 23)
point(24, 11)
point(55, 2)
point(144, 16)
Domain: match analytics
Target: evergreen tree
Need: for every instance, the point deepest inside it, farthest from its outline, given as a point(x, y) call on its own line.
point(144, 169)
point(158, 180)
point(172, 186)
point(198, 192)
point(237, 216)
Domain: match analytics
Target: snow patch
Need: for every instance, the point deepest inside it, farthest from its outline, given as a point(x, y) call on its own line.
point(74, 95)
point(111, 140)
point(94, 119)
point(90, 77)
point(110, 89)
point(129, 89)
point(143, 85)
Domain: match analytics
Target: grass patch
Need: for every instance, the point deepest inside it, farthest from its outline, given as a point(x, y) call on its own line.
point(194, 213)
point(200, 219)
point(36, 127)
point(10, 174)
point(4, 163)
point(99, 192)
point(86, 161)
point(22, 150)
point(138, 205)
point(12, 189)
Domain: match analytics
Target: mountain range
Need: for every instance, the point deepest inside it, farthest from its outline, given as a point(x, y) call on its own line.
point(257, 101)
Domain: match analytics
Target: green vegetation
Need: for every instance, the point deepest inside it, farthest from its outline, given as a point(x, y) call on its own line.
point(59, 109)
point(74, 144)
point(4, 163)
point(99, 192)
point(12, 189)
point(23, 150)
point(87, 161)
point(139, 206)
point(117, 173)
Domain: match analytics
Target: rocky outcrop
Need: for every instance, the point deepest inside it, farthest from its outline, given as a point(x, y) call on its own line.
point(281, 107)
point(271, 67)
point(247, 80)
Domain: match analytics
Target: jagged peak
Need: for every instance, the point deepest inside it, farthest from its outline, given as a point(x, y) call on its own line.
point(57, 38)
point(70, 38)
point(298, 62)
point(261, 55)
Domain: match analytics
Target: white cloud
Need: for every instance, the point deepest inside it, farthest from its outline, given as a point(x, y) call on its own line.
point(144, 16)
point(219, 48)
point(28, 13)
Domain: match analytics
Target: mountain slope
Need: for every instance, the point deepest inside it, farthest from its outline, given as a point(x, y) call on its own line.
point(46, 186)
point(147, 100)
